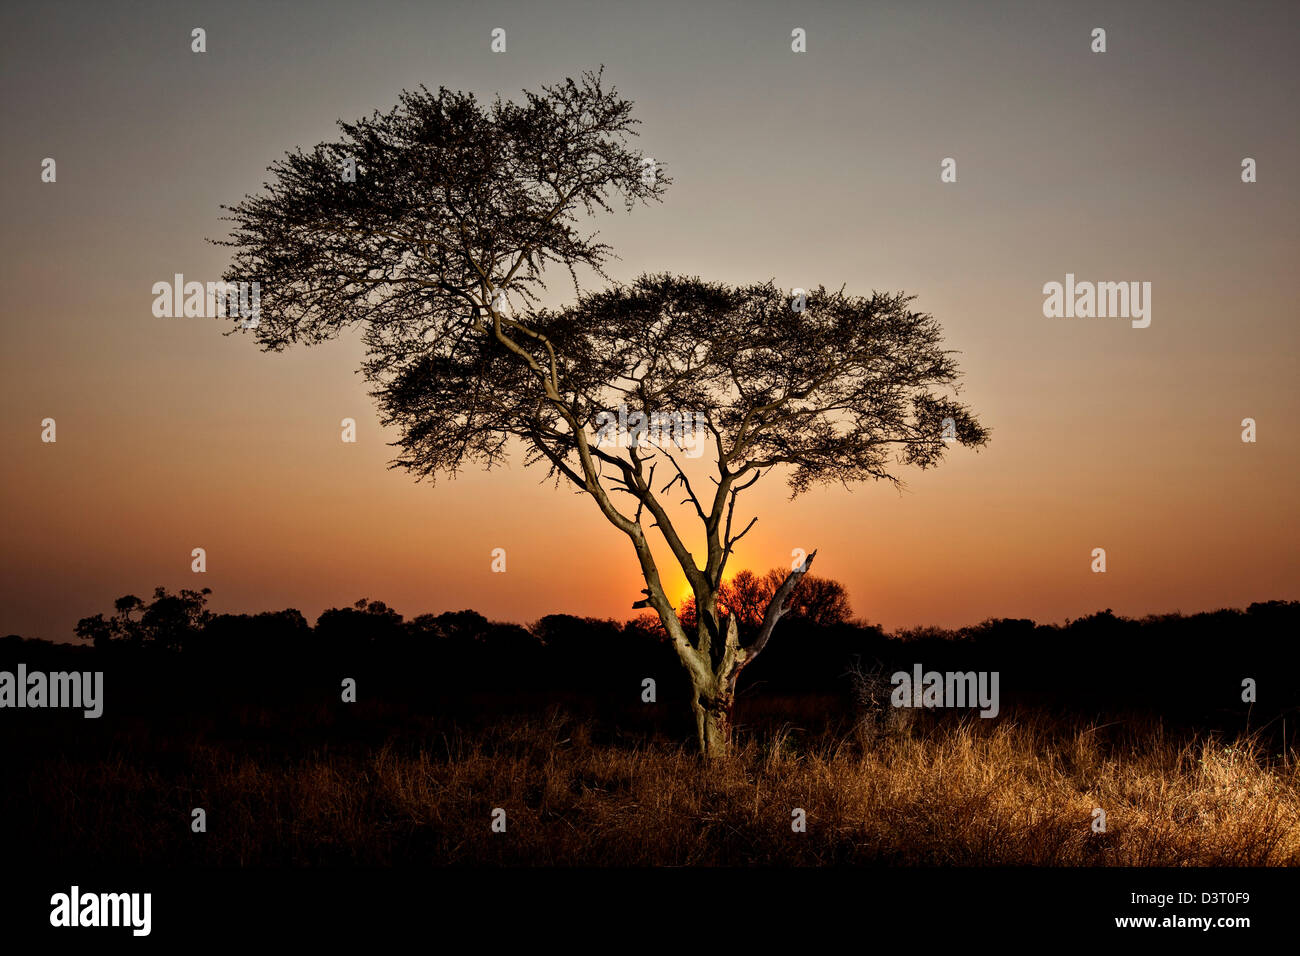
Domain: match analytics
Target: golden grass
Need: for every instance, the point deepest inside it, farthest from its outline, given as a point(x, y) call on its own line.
point(956, 793)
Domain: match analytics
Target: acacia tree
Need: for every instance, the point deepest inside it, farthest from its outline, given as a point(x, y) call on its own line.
point(436, 252)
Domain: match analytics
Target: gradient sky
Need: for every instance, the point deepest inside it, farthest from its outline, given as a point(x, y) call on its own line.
point(818, 168)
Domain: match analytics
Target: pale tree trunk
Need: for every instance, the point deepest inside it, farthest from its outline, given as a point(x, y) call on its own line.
point(714, 698)
point(713, 721)
point(713, 728)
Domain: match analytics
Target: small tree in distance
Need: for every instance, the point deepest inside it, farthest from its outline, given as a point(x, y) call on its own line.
point(436, 251)
point(819, 600)
point(165, 623)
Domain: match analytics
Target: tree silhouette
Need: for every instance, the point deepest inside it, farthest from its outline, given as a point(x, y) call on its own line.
point(166, 622)
point(437, 251)
point(821, 601)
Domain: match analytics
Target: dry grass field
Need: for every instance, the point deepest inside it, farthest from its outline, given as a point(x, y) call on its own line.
point(1016, 791)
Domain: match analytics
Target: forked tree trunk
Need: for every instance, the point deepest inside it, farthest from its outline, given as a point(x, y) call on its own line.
point(714, 699)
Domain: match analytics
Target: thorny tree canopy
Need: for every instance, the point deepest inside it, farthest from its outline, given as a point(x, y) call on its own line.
point(436, 251)
point(452, 201)
point(839, 392)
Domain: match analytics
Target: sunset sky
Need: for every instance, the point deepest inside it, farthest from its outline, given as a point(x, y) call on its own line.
point(813, 168)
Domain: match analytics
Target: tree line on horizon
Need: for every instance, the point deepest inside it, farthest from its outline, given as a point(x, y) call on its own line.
point(175, 621)
point(1187, 668)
